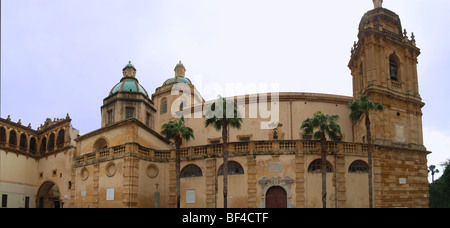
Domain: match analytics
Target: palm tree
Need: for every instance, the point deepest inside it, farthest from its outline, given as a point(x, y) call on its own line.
point(433, 170)
point(362, 108)
point(177, 131)
point(222, 118)
point(326, 126)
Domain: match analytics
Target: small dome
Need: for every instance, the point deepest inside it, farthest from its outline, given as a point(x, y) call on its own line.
point(129, 65)
point(177, 80)
point(128, 85)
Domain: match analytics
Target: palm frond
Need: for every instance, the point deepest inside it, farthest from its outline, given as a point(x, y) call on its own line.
point(220, 111)
point(324, 124)
point(362, 106)
point(175, 129)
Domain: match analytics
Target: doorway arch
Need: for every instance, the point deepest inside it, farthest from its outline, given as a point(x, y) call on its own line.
point(276, 197)
point(48, 196)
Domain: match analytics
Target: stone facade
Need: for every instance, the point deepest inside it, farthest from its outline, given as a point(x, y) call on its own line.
point(127, 163)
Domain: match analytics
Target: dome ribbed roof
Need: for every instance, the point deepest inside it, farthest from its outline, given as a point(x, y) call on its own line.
point(128, 85)
point(175, 80)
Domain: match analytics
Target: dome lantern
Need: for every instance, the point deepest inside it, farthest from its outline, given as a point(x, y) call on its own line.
point(129, 70)
point(180, 70)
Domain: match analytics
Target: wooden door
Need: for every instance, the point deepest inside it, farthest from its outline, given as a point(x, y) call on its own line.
point(276, 197)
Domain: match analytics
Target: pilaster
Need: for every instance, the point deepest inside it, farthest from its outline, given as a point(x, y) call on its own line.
point(251, 163)
point(211, 182)
point(300, 180)
point(130, 181)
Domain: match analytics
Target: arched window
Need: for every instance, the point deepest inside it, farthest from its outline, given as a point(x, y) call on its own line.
point(315, 166)
point(2, 135)
point(234, 168)
point(191, 171)
point(12, 138)
point(358, 166)
point(43, 146)
point(164, 106)
point(33, 147)
point(394, 64)
point(23, 141)
point(60, 139)
point(51, 141)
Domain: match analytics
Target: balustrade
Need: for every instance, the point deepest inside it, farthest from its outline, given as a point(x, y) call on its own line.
point(269, 147)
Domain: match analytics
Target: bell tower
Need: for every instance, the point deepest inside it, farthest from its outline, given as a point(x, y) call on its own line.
point(383, 65)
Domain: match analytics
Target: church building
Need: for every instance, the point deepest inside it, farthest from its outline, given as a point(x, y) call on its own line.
point(271, 162)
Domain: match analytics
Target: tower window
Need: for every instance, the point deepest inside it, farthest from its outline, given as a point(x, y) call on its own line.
point(164, 107)
point(129, 112)
point(110, 117)
point(148, 119)
point(394, 67)
point(393, 70)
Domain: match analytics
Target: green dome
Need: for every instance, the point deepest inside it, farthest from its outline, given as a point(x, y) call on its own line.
point(128, 85)
point(177, 80)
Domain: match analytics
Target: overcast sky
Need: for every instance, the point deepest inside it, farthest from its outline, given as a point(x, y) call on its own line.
point(64, 56)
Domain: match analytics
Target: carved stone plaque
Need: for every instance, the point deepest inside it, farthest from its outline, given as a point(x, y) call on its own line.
point(275, 167)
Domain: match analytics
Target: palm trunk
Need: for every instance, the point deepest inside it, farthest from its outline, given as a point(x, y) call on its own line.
point(225, 162)
point(323, 169)
point(177, 167)
point(369, 158)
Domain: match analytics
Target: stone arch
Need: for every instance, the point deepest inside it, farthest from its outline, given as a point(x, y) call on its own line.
point(191, 170)
point(100, 144)
point(60, 139)
point(48, 196)
point(234, 168)
point(43, 146)
point(2, 135)
point(33, 145)
point(394, 67)
point(51, 142)
point(23, 141)
point(12, 138)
